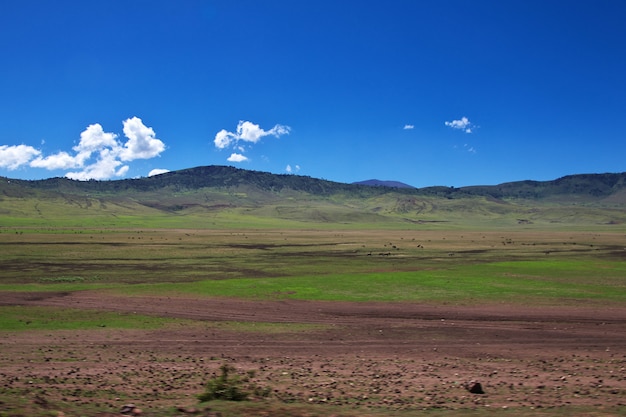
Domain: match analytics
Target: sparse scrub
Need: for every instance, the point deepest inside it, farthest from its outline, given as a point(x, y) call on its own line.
point(229, 387)
point(152, 359)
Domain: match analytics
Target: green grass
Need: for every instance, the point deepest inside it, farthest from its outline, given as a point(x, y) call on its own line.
point(472, 251)
point(351, 265)
point(528, 266)
point(214, 209)
point(129, 256)
point(534, 282)
point(20, 318)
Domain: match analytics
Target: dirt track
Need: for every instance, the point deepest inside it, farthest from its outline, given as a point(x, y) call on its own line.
point(365, 355)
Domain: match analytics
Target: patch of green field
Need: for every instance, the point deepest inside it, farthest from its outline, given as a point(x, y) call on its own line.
point(129, 256)
point(214, 209)
point(20, 318)
point(462, 266)
point(534, 282)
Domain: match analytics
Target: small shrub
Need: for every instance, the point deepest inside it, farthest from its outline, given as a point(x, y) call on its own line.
point(230, 387)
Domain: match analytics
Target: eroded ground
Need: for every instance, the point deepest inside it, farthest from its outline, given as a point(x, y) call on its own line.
point(361, 355)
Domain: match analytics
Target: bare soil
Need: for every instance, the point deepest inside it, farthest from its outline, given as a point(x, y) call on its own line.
point(364, 356)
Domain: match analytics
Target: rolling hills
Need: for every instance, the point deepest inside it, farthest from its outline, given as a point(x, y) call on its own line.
point(221, 196)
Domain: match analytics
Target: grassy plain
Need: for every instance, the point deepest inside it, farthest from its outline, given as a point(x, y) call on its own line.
point(364, 265)
point(421, 263)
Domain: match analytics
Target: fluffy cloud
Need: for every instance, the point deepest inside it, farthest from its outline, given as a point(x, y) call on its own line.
point(61, 160)
point(408, 127)
point(142, 143)
point(236, 157)
point(13, 157)
point(158, 171)
point(95, 138)
point(98, 155)
point(107, 166)
point(463, 124)
point(246, 132)
point(223, 139)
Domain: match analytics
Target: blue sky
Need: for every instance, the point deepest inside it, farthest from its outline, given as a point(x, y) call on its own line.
point(432, 92)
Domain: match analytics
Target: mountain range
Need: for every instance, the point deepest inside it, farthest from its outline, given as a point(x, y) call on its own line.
point(224, 192)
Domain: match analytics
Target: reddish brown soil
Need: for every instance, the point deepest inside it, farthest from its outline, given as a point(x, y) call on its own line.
point(363, 355)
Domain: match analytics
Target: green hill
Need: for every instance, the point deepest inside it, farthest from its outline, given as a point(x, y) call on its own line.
point(220, 196)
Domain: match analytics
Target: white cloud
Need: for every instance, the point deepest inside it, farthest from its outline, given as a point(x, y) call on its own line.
point(98, 154)
point(462, 124)
point(246, 132)
point(13, 157)
point(142, 143)
point(250, 132)
point(291, 170)
point(110, 154)
point(223, 139)
point(408, 127)
point(157, 171)
point(107, 166)
point(94, 138)
point(61, 160)
point(237, 157)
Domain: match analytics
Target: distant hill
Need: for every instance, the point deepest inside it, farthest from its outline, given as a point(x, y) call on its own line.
point(233, 197)
point(379, 183)
point(584, 186)
point(191, 179)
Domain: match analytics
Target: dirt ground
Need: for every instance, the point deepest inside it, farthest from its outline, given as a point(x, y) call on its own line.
point(362, 355)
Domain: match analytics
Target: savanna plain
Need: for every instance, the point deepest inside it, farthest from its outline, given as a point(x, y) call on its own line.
point(422, 320)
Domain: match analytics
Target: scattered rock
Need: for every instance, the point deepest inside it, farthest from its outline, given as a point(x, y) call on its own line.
point(475, 388)
point(129, 409)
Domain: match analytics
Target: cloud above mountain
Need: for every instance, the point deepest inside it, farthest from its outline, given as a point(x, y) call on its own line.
point(236, 157)
point(292, 170)
point(245, 135)
point(13, 157)
point(98, 155)
point(158, 171)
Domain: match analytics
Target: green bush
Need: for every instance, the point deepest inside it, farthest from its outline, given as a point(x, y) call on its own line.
point(229, 387)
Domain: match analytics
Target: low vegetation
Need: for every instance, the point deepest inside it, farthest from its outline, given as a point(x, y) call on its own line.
point(229, 386)
point(411, 265)
point(225, 197)
point(217, 232)
point(20, 318)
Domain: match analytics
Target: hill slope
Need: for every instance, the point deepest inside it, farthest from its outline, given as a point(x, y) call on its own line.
point(220, 196)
